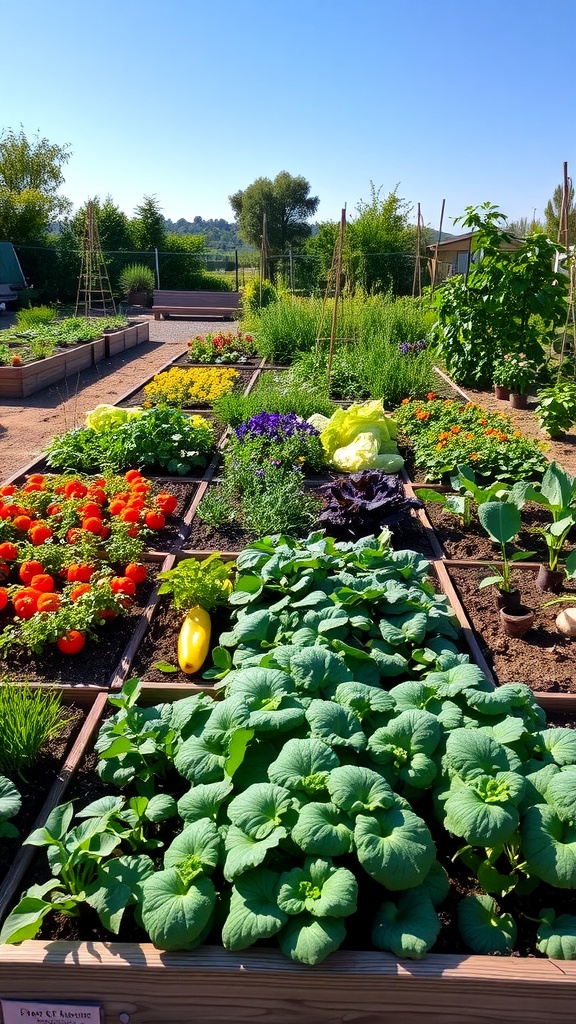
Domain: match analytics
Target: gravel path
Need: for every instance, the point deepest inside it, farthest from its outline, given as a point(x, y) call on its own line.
point(28, 424)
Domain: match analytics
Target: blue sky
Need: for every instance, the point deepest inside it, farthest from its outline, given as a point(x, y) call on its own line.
point(191, 101)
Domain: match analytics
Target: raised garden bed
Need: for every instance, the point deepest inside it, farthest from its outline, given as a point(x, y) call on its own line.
point(543, 658)
point(21, 381)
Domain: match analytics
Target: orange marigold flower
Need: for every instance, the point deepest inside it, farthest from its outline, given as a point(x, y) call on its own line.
point(474, 456)
point(455, 428)
point(517, 433)
point(431, 396)
point(482, 422)
point(405, 401)
point(440, 445)
point(502, 437)
point(443, 435)
point(469, 436)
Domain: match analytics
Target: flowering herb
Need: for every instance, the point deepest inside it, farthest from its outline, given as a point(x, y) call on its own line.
point(363, 503)
point(407, 348)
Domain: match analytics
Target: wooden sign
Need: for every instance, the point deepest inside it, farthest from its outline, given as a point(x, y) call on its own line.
point(24, 1011)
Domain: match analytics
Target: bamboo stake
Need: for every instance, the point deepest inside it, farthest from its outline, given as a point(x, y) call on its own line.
point(435, 263)
point(336, 292)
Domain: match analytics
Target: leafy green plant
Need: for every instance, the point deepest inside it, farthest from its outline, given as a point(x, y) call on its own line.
point(557, 494)
point(511, 300)
point(274, 501)
point(363, 503)
point(28, 718)
point(35, 316)
point(502, 522)
point(161, 438)
point(556, 407)
point(136, 277)
point(191, 582)
point(10, 804)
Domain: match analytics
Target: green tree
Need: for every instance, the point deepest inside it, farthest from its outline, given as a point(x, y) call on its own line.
point(34, 166)
point(552, 214)
point(379, 247)
point(287, 203)
point(147, 228)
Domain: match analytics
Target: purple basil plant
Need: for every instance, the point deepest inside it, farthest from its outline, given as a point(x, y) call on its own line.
point(362, 503)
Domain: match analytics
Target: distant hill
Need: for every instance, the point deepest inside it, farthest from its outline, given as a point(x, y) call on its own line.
point(220, 234)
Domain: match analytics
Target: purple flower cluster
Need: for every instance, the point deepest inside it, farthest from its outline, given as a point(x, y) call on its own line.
point(275, 426)
point(407, 347)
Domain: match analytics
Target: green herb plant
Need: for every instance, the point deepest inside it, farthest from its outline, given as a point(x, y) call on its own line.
point(28, 719)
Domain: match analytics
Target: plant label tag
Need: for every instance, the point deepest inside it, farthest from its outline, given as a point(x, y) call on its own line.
point(20, 1011)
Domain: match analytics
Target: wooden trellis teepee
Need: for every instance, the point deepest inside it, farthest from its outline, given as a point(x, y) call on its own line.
point(94, 296)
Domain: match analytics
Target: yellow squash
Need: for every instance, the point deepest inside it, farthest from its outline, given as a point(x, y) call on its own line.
point(194, 640)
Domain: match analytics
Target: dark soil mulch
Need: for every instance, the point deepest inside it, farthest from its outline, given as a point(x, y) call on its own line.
point(161, 641)
point(543, 658)
point(208, 538)
point(474, 543)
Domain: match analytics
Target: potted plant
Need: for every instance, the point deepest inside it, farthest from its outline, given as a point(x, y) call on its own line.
point(514, 372)
point(557, 493)
point(137, 283)
point(501, 520)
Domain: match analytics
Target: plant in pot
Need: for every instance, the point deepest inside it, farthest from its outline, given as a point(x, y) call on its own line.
point(501, 520)
point(557, 494)
point(514, 372)
point(137, 283)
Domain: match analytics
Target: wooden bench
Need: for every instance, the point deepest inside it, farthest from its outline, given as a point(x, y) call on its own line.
point(203, 304)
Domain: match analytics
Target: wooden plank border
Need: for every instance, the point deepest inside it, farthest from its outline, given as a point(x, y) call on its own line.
point(142, 985)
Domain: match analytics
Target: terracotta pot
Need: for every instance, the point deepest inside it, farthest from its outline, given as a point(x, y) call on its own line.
point(516, 621)
point(508, 599)
point(518, 401)
point(502, 392)
point(550, 579)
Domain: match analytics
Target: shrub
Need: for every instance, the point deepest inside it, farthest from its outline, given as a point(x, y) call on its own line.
point(36, 316)
point(136, 277)
point(257, 294)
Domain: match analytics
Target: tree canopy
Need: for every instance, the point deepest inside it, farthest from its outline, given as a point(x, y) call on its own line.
point(30, 176)
point(287, 203)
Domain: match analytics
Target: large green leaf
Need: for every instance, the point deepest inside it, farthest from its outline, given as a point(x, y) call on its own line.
point(115, 888)
point(243, 853)
point(471, 753)
point(395, 847)
point(309, 940)
point(259, 809)
point(201, 762)
point(10, 799)
point(549, 846)
point(174, 912)
point(204, 800)
point(304, 765)
point(561, 793)
point(364, 701)
point(408, 927)
point(483, 811)
point(254, 912)
point(556, 936)
point(558, 745)
point(335, 725)
point(197, 847)
point(319, 888)
point(500, 519)
point(358, 790)
point(323, 830)
point(313, 668)
point(483, 929)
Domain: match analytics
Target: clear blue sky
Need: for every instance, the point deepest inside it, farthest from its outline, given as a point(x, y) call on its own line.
point(191, 100)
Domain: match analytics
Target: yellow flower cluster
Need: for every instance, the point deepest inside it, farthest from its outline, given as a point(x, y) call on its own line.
point(198, 386)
